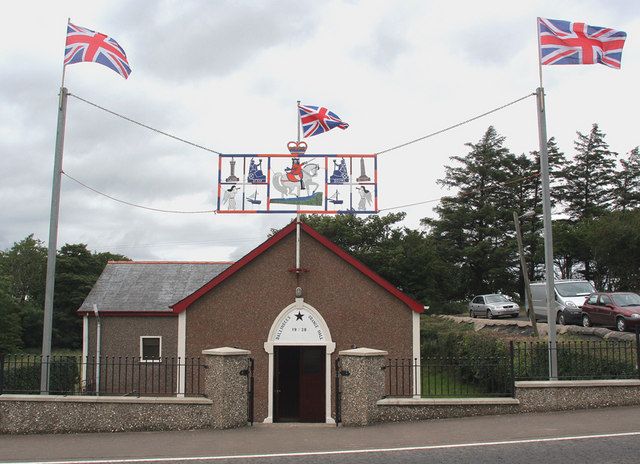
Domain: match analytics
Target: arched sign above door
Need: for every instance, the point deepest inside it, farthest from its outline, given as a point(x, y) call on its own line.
point(299, 325)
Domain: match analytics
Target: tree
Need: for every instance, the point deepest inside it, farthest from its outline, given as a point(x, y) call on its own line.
point(557, 165)
point(526, 196)
point(10, 327)
point(569, 246)
point(627, 190)
point(405, 257)
point(614, 242)
point(77, 270)
point(25, 263)
point(362, 237)
point(22, 288)
point(22, 271)
point(475, 227)
point(590, 179)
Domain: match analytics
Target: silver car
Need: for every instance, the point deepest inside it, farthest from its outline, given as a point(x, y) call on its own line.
point(493, 305)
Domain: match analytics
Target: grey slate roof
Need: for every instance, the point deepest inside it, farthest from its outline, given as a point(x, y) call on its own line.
point(148, 286)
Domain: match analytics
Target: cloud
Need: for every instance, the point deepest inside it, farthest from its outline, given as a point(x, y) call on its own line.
point(186, 40)
point(492, 44)
point(387, 40)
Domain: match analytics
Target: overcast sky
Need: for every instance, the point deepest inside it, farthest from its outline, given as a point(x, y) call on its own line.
point(227, 74)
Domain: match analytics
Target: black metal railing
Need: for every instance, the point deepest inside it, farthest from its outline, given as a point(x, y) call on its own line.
point(495, 376)
point(450, 377)
point(120, 376)
point(250, 390)
point(578, 360)
point(338, 390)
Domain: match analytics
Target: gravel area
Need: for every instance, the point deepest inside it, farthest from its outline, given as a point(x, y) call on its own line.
point(523, 327)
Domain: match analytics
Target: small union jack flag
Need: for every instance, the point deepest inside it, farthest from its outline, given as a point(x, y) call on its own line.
point(87, 45)
point(317, 119)
point(565, 42)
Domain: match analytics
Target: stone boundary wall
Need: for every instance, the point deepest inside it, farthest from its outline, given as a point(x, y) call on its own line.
point(538, 396)
point(69, 414)
point(363, 389)
point(225, 405)
point(562, 395)
point(410, 409)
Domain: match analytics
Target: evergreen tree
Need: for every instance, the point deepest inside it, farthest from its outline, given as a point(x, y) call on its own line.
point(557, 165)
point(569, 247)
point(589, 182)
point(532, 227)
point(475, 227)
point(590, 178)
point(614, 242)
point(627, 192)
point(77, 270)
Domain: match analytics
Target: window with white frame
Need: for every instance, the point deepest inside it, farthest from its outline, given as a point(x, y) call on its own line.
point(150, 348)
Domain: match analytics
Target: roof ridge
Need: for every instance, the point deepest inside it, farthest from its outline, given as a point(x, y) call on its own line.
point(290, 228)
point(170, 262)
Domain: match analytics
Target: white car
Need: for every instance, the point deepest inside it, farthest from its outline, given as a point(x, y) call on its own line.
point(493, 305)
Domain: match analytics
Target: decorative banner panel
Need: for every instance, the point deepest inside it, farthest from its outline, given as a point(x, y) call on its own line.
point(280, 183)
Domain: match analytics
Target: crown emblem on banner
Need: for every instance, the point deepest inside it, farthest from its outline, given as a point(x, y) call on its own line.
point(297, 148)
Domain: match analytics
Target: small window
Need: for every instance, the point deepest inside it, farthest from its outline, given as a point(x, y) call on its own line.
point(481, 299)
point(150, 348)
point(593, 299)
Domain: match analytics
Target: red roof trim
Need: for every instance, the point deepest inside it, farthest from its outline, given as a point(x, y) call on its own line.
point(271, 241)
point(128, 313)
point(235, 267)
point(170, 262)
point(384, 283)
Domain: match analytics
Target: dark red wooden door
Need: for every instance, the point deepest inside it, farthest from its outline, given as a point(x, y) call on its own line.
point(312, 384)
point(299, 384)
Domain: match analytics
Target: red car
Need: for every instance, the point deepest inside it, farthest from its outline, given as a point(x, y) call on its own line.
point(618, 309)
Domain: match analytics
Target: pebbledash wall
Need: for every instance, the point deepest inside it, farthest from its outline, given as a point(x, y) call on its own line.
point(363, 389)
point(226, 405)
point(244, 304)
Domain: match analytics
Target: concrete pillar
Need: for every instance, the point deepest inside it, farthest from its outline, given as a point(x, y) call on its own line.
point(226, 385)
point(363, 386)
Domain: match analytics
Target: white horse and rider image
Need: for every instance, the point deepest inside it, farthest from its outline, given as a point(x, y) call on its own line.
point(298, 180)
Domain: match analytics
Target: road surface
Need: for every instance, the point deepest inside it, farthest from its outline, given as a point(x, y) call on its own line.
point(594, 436)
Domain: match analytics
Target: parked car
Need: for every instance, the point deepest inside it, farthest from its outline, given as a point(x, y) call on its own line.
point(493, 305)
point(618, 309)
point(569, 296)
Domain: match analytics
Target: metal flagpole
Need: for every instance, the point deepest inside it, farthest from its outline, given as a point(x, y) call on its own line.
point(298, 205)
point(539, 51)
point(64, 66)
point(546, 209)
point(53, 243)
point(47, 325)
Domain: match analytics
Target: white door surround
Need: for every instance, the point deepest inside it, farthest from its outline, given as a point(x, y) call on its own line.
point(300, 324)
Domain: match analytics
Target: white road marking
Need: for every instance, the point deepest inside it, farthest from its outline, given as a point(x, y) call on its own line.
point(327, 453)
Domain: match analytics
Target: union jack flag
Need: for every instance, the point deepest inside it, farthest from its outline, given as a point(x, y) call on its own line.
point(86, 45)
point(317, 119)
point(565, 42)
